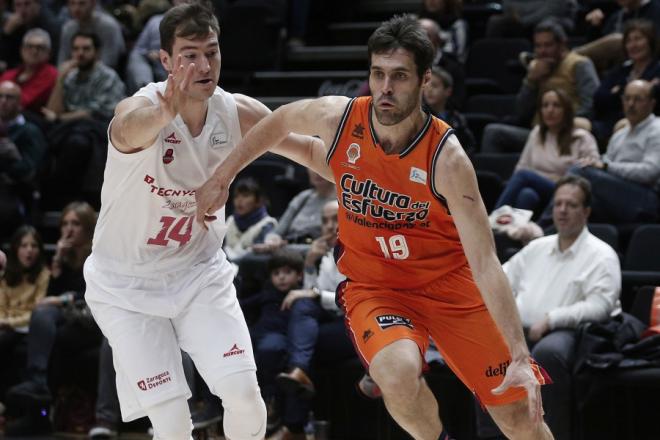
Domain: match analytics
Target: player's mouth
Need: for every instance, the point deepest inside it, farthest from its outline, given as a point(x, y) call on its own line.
point(204, 81)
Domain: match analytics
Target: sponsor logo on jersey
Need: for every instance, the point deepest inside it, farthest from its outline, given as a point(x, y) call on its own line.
point(387, 321)
point(366, 198)
point(171, 139)
point(166, 192)
point(234, 351)
point(358, 131)
point(499, 370)
point(368, 333)
point(152, 382)
point(168, 157)
point(353, 153)
point(218, 140)
point(417, 175)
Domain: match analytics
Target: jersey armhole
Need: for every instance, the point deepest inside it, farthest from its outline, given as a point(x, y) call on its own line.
point(340, 130)
point(436, 154)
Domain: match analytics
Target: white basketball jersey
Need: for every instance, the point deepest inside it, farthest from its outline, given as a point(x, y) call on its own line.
point(147, 219)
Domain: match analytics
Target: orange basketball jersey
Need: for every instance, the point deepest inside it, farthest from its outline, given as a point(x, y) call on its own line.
point(394, 227)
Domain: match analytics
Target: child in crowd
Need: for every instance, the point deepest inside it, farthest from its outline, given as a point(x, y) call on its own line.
point(269, 330)
point(250, 221)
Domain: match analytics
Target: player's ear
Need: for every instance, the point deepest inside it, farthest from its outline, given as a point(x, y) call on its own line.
point(166, 60)
point(426, 78)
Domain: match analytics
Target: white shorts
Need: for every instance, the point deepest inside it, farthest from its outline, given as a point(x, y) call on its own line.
point(148, 320)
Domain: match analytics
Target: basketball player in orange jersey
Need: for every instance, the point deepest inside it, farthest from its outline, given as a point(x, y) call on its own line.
point(413, 240)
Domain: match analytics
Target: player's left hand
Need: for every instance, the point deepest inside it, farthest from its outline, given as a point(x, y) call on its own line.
point(209, 198)
point(519, 374)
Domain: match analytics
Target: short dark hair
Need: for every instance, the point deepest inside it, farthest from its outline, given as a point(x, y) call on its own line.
point(96, 41)
point(403, 31)
point(444, 76)
point(187, 20)
point(14, 272)
point(580, 182)
point(286, 258)
point(645, 27)
point(248, 185)
point(552, 26)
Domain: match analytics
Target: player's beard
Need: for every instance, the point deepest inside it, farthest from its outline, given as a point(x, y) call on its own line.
point(396, 114)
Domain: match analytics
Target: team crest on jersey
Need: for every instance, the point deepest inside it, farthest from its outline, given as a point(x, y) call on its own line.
point(417, 175)
point(387, 321)
point(168, 157)
point(353, 153)
point(172, 139)
point(218, 140)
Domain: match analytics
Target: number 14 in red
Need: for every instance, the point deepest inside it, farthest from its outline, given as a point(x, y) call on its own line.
point(172, 231)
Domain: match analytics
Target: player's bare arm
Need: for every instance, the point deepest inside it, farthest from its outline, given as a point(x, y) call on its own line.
point(319, 117)
point(456, 181)
point(138, 121)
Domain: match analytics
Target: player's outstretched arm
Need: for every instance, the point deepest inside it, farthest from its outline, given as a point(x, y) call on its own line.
point(457, 182)
point(318, 117)
point(138, 121)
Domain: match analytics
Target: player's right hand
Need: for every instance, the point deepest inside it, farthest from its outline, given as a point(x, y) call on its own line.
point(209, 198)
point(176, 91)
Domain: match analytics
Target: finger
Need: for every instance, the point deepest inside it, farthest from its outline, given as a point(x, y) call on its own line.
point(187, 77)
point(502, 388)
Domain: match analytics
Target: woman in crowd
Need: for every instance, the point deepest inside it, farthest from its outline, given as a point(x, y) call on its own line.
point(24, 283)
point(552, 147)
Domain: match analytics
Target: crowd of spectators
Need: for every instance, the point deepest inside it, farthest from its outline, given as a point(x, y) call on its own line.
point(588, 87)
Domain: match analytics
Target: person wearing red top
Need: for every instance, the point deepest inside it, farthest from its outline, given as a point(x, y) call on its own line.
point(35, 75)
point(414, 240)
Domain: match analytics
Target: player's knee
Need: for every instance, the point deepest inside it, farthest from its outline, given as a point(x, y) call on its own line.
point(245, 411)
point(515, 423)
point(401, 377)
point(171, 420)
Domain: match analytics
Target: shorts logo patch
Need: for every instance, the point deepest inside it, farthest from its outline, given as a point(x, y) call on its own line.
point(368, 333)
point(499, 370)
point(152, 382)
point(387, 321)
point(234, 351)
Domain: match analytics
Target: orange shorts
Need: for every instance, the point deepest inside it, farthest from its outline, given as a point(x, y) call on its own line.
point(451, 311)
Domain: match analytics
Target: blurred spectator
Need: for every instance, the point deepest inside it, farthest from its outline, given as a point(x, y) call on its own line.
point(453, 29)
point(560, 282)
point(250, 222)
point(36, 76)
point(446, 61)
point(552, 147)
point(24, 284)
point(639, 44)
point(86, 17)
point(605, 51)
point(22, 148)
point(28, 14)
point(437, 94)
point(520, 17)
point(301, 222)
point(143, 65)
point(55, 316)
point(80, 108)
point(554, 65)
point(268, 332)
point(316, 333)
point(624, 181)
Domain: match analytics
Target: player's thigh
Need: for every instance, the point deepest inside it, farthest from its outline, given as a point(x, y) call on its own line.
point(212, 330)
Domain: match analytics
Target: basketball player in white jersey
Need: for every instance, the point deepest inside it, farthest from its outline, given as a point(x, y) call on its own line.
point(156, 281)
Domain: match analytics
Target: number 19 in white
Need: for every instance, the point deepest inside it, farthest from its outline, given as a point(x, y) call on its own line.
point(395, 247)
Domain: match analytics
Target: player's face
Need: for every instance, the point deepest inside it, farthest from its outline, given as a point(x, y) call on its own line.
point(568, 212)
point(72, 229)
point(329, 223)
point(244, 203)
point(285, 278)
point(395, 86)
point(205, 53)
point(28, 251)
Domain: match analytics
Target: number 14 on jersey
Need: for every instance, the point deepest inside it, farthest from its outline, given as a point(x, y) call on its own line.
point(175, 229)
